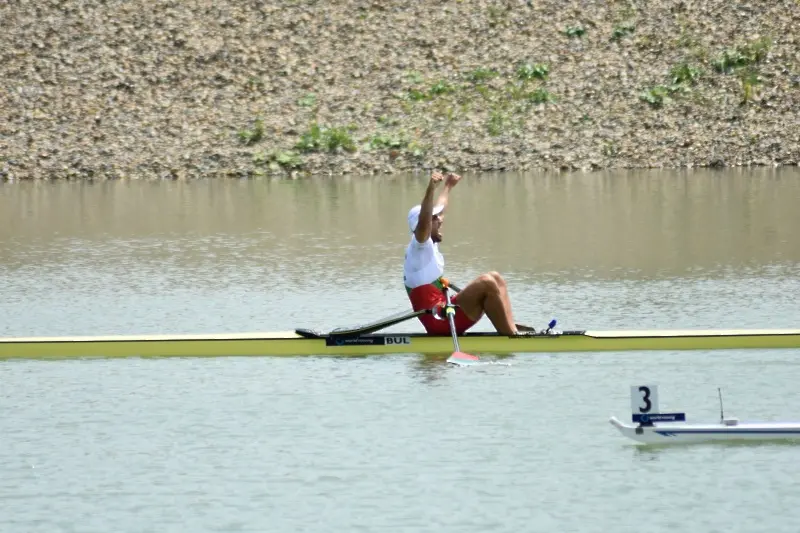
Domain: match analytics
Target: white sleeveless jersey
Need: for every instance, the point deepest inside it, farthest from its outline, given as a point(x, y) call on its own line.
point(424, 263)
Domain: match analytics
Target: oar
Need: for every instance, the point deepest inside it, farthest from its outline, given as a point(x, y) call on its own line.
point(457, 357)
point(378, 324)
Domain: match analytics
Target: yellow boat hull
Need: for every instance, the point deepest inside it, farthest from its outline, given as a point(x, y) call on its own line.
point(293, 344)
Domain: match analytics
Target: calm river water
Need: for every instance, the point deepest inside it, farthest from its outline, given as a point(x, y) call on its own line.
point(399, 443)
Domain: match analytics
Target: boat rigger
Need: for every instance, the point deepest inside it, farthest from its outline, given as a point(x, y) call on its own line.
point(305, 342)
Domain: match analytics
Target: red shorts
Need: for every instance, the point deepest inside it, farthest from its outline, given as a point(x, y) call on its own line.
point(428, 296)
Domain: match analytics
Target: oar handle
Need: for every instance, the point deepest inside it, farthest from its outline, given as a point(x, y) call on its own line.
point(453, 286)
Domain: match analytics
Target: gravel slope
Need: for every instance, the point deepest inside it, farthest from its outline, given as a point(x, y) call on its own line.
point(180, 89)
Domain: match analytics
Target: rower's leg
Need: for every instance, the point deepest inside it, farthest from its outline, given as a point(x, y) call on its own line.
point(501, 284)
point(506, 300)
point(488, 294)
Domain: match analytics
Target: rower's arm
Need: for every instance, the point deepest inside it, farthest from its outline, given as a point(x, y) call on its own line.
point(423, 231)
point(449, 183)
point(443, 197)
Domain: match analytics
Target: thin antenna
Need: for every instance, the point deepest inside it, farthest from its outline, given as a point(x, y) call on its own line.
point(721, 413)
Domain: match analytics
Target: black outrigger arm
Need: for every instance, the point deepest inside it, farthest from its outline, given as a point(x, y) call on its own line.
point(364, 329)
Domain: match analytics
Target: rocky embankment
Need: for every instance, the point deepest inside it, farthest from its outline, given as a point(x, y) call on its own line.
point(181, 89)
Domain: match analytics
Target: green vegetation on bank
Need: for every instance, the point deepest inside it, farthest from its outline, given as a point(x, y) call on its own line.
point(508, 95)
point(326, 139)
point(254, 134)
point(497, 100)
point(574, 31)
point(743, 55)
point(741, 60)
point(680, 79)
point(622, 30)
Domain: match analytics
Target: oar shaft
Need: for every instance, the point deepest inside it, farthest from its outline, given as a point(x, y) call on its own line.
point(450, 311)
point(457, 357)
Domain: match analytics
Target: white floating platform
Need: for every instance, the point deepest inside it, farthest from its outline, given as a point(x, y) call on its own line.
point(728, 430)
point(651, 426)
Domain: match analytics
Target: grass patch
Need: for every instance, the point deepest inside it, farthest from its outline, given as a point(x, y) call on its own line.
point(254, 83)
point(308, 100)
point(621, 31)
point(504, 101)
point(440, 88)
point(386, 142)
point(684, 73)
point(395, 144)
point(445, 109)
point(481, 74)
point(287, 160)
point(539, 96)
point(497, 122)
point(520, 93)
point(383, 120)
point(658, 95)
point(742, 56)
point(574, 31)
point(521, 90)
point(679, 78)
point(252, 135)
point(417, 150)
point(750, 81)
point(610, 149)
point(484, 91)
point(415, 95)
point(528, 71)
point(414, 77)
point(326, 139)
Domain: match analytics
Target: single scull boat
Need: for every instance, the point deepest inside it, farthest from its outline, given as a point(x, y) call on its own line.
point(308, 342)
point(365, 340)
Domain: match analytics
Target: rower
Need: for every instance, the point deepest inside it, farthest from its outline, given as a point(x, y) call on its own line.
point(423, 271)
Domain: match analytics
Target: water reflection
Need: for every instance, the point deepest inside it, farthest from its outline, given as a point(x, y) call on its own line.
point(273, 254)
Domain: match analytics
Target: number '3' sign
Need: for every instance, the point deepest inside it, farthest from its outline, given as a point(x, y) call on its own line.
point(644, 399)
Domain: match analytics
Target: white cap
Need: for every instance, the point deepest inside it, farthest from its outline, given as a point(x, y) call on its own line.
point(413, 215)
